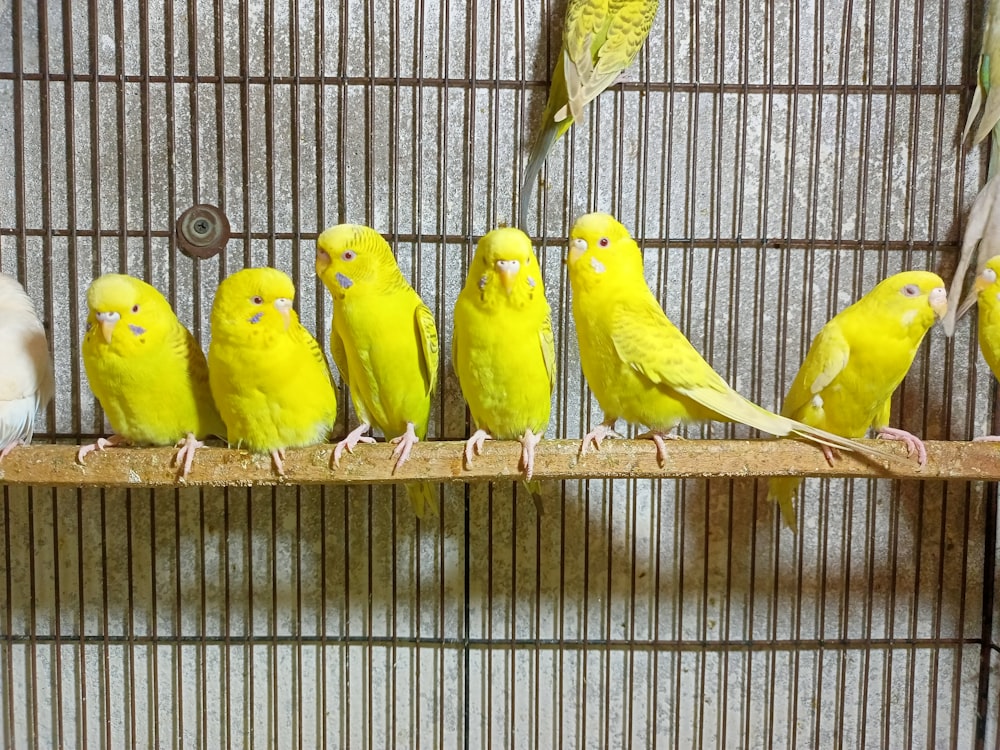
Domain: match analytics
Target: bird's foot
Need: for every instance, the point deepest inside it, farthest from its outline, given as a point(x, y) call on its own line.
point(528, 442)
point(185, 454)
point(404, 444)
point(658, 437)
point(278, 457)
point(7, 449)
point(982, 439)
point(912, 442)
point(353, 438)
point(474, 445)
point(113, 441)
point(597, 435)
point(828, 453)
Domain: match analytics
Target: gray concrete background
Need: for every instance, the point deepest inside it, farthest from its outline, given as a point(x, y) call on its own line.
point(775, 160)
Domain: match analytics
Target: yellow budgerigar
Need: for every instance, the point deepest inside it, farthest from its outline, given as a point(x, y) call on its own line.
point(856, 362)
point(987, 287)
point(638, 365)
point(268, 375)
point(147, 370)
point(384, 342)
point(600, 40)
point(502, 347)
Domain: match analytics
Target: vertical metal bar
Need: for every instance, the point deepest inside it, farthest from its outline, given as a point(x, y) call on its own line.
point(8, 629)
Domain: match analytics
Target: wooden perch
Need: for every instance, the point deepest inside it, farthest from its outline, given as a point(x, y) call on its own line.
point(56, 465)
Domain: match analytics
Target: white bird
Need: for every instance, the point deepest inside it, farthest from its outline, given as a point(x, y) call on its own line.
point(26, 383)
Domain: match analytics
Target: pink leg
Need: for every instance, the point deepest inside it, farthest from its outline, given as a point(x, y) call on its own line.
point(657, 436)
point(911, 441)
point(404, 444)
point(983, 439)
point(597, 435)
point(828, 454)
point(474, 445)
point(528, 442)
point(355, 437)
point(7, 449)
point(185, 453)
point(112, 441)
point(278, 457)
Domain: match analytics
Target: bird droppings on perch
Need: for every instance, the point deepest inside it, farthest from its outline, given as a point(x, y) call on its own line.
point(441, 461)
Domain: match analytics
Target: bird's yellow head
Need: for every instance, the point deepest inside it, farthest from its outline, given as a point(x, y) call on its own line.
point(505, 268)
point(916, 297)
point(352, 258)
point(125, 312)
point(252, 301)
point(986, 281)
point(601, 248)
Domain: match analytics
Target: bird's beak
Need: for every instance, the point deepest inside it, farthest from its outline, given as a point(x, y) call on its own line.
point(284, 306)
point(577, 247)
point(108, 321)
point(980, 285)
point(322, 262)
point(508, 270)
point(939, 300)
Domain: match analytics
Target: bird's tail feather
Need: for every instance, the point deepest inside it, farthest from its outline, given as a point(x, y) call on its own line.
point(736, 408)
point(781, 490)
point(539, 151)
point(534, 488)
point(423, 498)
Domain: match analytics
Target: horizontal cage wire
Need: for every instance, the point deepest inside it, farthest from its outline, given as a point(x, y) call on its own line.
point(774, 162)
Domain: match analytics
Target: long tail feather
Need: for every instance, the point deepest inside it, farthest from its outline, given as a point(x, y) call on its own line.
point(539, 151)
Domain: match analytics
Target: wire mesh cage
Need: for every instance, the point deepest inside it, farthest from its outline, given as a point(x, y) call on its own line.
point(773, 160)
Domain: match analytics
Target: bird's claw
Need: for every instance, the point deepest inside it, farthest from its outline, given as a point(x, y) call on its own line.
point(474, 445)
point(184, 457)
point(912, 442)
point(278, 457)
point(404, 444)
point(661, 449)
point(528, 442)
point(357, 435)
point(597, 435)
point(828, 453)
point(109, 442)
point(981, 439)
point(8, 448)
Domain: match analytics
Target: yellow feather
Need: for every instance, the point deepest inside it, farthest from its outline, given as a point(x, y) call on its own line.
point(988, 290)
point(383, 338)
point(144, 367)
point(601, 38)
point(638, 365)
point(268, 375)
point(857, 361)
point(503, 350)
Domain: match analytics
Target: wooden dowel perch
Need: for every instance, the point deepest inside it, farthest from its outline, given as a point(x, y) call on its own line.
point(56, 465)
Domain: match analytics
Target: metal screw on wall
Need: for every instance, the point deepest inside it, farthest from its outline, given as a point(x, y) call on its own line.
point(202, 231)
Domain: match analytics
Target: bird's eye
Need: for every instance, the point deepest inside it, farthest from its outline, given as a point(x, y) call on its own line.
point(348, 255)
point(257, 300)
point(604, 242)
point(135, 308)
point(911, 290)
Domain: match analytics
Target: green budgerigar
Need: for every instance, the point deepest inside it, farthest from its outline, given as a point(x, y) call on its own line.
point(600, 40)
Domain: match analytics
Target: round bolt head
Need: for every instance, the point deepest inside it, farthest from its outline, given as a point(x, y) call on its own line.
point(202, 231)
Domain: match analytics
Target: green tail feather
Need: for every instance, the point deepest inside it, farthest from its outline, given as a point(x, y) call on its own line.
point(423, 498)
point(550, 132)
point(534, 488)
point(782, 490)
